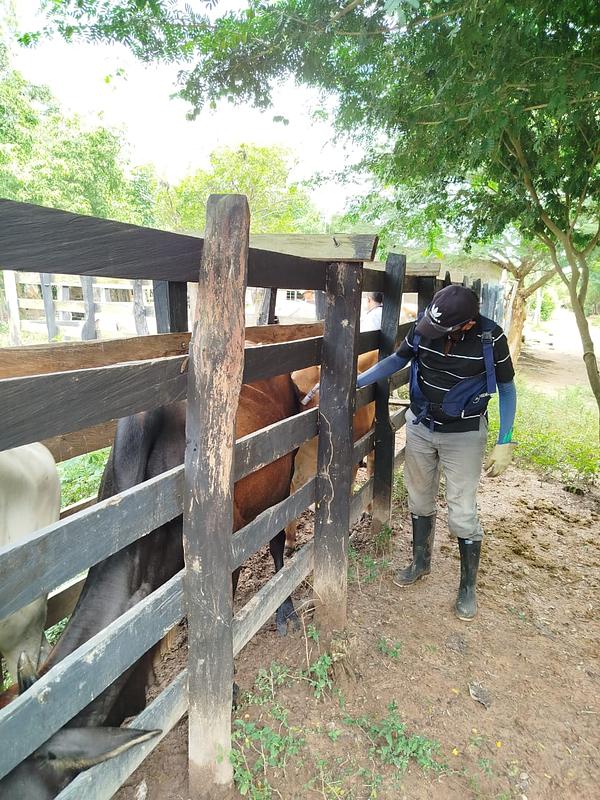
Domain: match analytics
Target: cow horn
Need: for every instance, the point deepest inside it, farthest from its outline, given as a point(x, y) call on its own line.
point(26, 672)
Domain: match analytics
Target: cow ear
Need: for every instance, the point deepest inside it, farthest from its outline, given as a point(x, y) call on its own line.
point(26, 673)
point(76, 749)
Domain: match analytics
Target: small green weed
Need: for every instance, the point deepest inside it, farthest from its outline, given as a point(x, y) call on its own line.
point(334, 734)
point(383, 539)
point(485, 765)
point(312, 633)
point(389, 649)
point(319, 675)
point(255, 749)
point(266, 683)
point(364, 568)
point(391, 745)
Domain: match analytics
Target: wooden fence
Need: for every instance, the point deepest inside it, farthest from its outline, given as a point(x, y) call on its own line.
point(70, 395)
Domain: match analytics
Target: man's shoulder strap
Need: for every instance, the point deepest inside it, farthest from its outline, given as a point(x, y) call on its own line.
point(487, 341)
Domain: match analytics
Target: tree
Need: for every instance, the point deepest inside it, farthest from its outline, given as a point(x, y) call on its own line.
point(262, 174)
point(485, 109)
point(531, 270)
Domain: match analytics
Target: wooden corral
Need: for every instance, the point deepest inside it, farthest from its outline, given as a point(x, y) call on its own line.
point(70, 396)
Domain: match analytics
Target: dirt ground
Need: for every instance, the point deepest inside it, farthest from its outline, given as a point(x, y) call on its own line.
point(553, 350)
point(533, 649)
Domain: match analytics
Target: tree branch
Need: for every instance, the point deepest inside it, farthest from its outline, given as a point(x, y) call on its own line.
point(346, 10)
point(551, 246)
point(545, 278)
point(592, 243)
point(527, 179)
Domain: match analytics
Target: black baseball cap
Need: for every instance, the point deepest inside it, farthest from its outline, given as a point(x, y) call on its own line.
point(450, 308)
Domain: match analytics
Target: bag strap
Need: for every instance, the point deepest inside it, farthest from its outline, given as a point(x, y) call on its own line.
point(487, 341)
point(416, 336)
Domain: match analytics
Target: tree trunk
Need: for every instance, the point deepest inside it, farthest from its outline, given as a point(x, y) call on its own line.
point(518, 315)
point(589, 355)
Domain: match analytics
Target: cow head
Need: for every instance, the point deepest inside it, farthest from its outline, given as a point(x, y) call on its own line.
point(70, 751)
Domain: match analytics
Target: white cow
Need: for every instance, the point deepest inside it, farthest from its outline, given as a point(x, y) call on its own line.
point(29, 500)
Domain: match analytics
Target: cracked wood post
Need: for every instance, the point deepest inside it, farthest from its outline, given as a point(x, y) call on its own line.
point(214, 383)
point(334, 461)
point(385, 435)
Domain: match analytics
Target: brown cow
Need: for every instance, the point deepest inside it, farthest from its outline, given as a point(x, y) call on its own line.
point(305, 462)
point(146, 445)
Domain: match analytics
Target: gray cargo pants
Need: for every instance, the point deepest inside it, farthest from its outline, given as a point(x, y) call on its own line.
point(460, 455)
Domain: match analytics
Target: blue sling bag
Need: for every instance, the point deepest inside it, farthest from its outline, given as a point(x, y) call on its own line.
point(470, 396)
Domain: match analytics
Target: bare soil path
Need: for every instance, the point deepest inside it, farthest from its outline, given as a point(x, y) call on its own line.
point(534, 648)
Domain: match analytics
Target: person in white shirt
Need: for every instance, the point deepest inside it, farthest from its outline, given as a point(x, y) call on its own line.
point(371, 321)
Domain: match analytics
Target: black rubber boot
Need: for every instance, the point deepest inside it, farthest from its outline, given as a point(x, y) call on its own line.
point(423, 536)
point(466, 602)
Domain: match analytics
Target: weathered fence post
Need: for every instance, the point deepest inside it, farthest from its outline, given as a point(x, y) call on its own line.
point(12, 301)
point(266, 315)
point(214, 382)
point(139, 312)
point(88, 329)
point(385, 435)
point(170, 306)
point(46, 284)
point(476, 286)
point(319, 304)
point(336, 409)
point(426, 289)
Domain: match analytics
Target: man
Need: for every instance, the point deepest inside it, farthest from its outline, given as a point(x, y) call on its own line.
point(457, 357)
point(371, 321)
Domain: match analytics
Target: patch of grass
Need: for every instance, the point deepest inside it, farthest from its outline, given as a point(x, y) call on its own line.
point(557, 434)
point(391, 745)
point(80, 477)
point(389, 649)
point(399, 492)
point(53, 633)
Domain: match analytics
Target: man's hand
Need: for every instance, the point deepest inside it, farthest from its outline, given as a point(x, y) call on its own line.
point(499, 459)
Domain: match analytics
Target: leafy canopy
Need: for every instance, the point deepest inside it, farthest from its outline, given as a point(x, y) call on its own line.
point(487, 108)
point(262, 174)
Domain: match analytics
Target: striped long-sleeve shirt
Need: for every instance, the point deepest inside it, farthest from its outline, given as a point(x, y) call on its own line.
point(440, 371)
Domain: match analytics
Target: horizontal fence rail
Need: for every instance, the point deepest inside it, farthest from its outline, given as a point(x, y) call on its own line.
point(53, 555)
point(33, 407)
point(35, 238)
point(34, 716)
point(163, 713)
point(258, 610)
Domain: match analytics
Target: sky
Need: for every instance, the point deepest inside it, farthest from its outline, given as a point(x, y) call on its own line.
point(141, 103)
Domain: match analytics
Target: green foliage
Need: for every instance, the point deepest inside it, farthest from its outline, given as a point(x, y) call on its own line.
point(554, 432)
point(390, 649)
point(364, 567)
point(548, 306)
point(80, 477)
point(319, 675)
point(255, 749)
point(391, 745)
point(262, 174)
